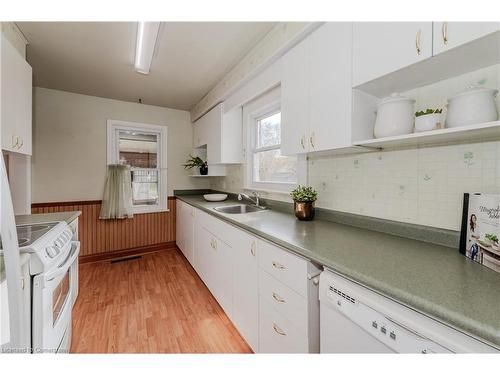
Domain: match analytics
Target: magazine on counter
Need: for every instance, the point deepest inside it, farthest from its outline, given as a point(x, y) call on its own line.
point(480, 232)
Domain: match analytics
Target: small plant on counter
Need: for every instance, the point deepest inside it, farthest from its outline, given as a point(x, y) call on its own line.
point(304, 194)
point(303, 202)
point(428, 111)
point(196, 161)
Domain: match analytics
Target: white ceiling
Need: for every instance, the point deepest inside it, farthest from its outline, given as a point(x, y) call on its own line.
point(96, 58)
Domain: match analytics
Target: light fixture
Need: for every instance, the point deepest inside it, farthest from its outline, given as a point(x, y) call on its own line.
point(147, 35)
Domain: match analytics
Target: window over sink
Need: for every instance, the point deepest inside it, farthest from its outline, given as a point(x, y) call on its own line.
point(143, 148)
point(266, 168)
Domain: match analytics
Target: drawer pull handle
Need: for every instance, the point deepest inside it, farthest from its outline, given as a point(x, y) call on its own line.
point(417, 42)
point(444, 32)
point(278, 298)
point(252, 248)
point(278, 330)
point(278, 265)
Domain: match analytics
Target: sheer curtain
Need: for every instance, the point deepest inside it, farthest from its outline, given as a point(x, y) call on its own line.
point(117, 199)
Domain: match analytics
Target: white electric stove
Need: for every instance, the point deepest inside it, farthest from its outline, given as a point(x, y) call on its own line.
point(53, 266)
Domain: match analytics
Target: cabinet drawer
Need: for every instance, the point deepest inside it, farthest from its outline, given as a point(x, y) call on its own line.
point(277, 334)
point(284, 266)
point(284, 300)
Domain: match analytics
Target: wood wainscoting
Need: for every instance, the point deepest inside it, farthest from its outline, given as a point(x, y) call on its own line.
point(107, 239)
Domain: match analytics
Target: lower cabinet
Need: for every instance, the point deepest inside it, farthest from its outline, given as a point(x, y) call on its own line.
point(266, 291)
point(184, 236)
point(246, 289)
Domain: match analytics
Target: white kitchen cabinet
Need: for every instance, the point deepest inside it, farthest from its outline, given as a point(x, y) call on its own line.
point(316, 91)
point(380, 48)
point(221, 133)
point(185, 229)
point(448, 35)
point(295, 100)
point(288, 302)
point(246, 288)
point(16, 98)
point(330, 87)
point(267, 292)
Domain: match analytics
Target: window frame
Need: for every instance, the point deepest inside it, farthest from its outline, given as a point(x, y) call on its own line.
point(254, 111)
point(113, 152)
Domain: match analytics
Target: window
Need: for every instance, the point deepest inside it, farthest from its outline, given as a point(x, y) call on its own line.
point(266, 168)
point(143, 148)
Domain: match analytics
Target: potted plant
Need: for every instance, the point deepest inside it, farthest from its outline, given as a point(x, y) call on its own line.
point(430, 119)
point(196, 161)
point(303, 200)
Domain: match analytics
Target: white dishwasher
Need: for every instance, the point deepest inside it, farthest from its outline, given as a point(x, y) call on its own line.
point(354, 319)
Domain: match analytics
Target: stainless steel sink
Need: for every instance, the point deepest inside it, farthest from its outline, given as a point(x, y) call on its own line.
point(239, 209)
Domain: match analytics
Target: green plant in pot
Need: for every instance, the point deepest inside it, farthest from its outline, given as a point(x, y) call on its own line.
point(197, 162)
point(303, 202)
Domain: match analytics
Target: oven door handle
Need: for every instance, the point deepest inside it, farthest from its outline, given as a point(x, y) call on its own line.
point(63, 268)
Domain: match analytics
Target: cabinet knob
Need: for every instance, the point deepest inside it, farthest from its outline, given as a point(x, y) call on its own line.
point(417, 42)
point(444, 32)
point(311, 140)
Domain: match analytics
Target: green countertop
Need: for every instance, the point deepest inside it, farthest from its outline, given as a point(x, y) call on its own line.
point(67, 216)
point(432, 279)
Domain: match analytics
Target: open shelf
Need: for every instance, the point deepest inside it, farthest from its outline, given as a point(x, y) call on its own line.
point(487, 131)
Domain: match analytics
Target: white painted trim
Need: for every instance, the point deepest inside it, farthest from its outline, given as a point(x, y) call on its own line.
point(264, 104)
point(112, 152)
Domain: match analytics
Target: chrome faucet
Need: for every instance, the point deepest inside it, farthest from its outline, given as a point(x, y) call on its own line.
point(255, 200)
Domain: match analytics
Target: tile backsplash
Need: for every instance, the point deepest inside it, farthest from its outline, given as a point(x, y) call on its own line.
point(421, 186)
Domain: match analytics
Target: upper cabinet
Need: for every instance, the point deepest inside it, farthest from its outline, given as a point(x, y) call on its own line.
point(380, 48)
point(221, 133)
point(16, 99)
point(316, 91)
point(449, 35)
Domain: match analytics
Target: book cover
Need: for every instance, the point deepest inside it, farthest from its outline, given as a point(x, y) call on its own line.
point(481, 229)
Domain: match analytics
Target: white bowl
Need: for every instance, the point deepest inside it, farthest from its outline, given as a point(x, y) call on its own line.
point(428, 122)
point(215, 197)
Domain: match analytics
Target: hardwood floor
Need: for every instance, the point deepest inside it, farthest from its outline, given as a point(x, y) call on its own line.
point(156, 304)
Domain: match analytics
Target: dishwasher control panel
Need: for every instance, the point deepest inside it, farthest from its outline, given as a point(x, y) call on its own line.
point(394, 335)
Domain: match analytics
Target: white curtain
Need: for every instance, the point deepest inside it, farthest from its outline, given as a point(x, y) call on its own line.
point(117, 199)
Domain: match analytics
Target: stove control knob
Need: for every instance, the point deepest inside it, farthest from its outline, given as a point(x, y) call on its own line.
point(59, 243)
point(51, 251)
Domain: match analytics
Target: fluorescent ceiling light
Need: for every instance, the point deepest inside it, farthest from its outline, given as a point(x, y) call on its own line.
point(147, 35)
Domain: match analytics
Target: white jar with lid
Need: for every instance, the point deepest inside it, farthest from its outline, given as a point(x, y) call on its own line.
point(474, 106)
point(395, 116)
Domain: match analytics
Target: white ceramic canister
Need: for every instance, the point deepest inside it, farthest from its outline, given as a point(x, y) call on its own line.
point(474, 106)
point(395, 116)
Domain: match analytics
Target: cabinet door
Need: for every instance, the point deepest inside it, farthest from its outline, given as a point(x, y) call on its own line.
point(245, 289)
point(380, 48)
point(330, 86)
point(16, 96)
point(188, 232)
point(222, 275)
point(204, 261)
point(448, 35)
point(295, 100)
point(179, 224)
point(213, 128)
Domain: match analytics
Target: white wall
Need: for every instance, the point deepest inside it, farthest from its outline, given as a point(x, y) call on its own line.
point(69, 143)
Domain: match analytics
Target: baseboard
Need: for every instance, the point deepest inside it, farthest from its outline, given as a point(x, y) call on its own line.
point(127, 252)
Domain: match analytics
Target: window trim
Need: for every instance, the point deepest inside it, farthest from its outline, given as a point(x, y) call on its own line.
point(261, 107)
point(113, 127)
